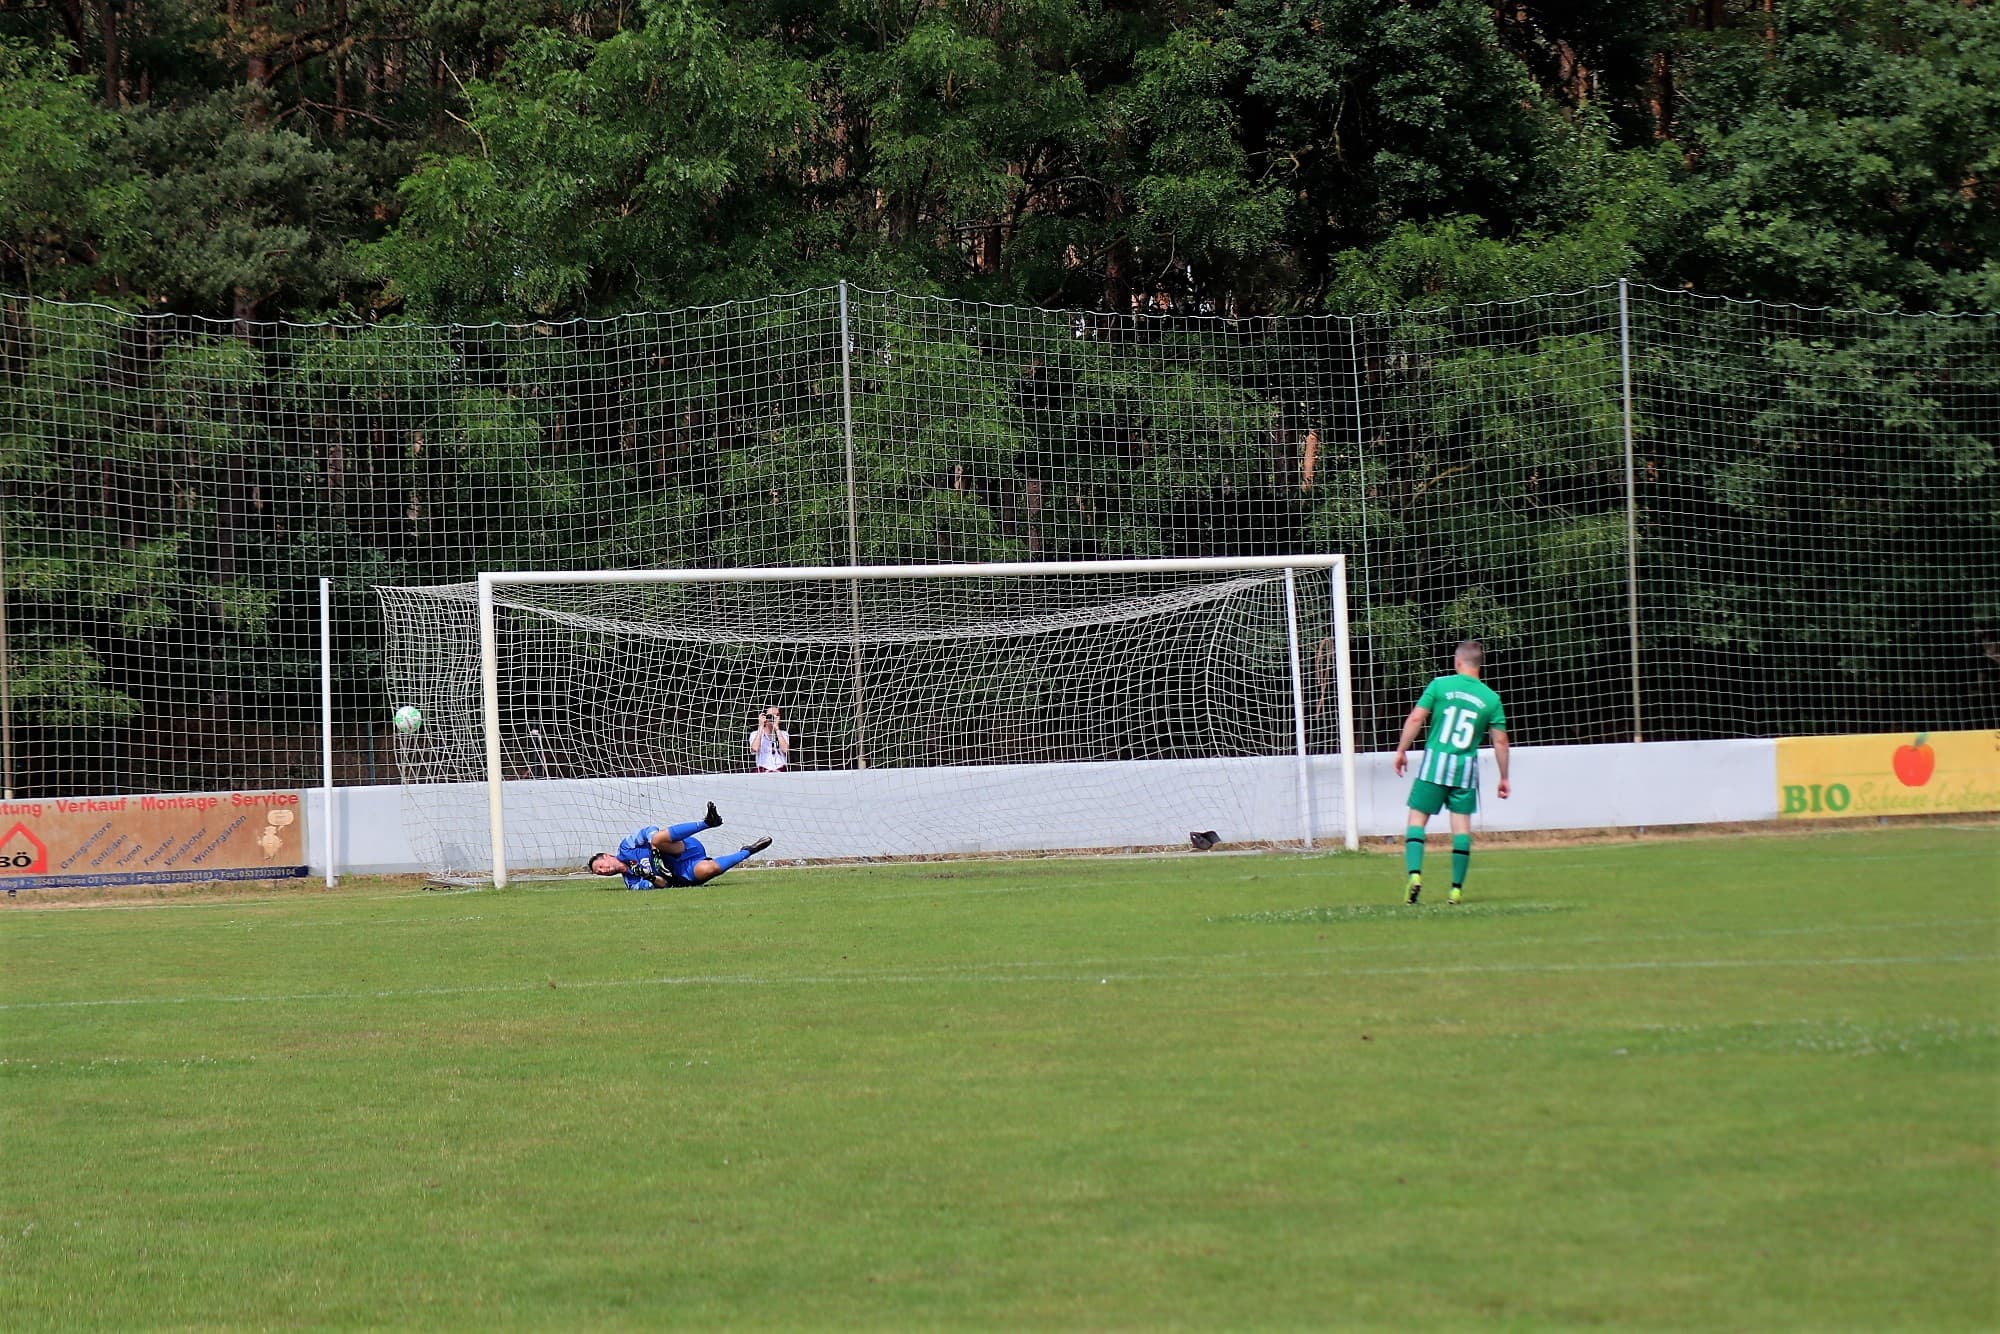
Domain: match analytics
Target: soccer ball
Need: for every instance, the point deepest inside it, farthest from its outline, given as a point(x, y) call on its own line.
point(408, 719)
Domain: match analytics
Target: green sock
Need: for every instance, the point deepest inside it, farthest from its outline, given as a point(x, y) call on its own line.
point(1461, 857)
point(1413, 849)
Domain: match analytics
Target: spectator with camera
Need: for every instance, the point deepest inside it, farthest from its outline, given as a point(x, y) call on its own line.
point(771, 744)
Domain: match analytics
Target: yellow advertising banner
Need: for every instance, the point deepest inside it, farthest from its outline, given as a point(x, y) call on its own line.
point(1930, 773)
point(58, 842)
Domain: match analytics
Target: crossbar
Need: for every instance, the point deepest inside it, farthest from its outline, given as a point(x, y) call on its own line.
point(769, 574)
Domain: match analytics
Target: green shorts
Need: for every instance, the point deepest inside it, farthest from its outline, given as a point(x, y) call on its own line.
point(1429, 797)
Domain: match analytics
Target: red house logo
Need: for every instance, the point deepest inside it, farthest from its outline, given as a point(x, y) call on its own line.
point(21, 853)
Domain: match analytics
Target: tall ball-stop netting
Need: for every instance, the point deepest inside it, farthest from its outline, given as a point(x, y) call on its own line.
point(1670, 517)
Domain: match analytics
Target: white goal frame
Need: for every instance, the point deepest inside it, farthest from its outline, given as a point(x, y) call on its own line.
point(1335, 565)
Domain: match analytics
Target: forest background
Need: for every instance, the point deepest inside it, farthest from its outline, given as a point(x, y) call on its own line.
point(474, 159)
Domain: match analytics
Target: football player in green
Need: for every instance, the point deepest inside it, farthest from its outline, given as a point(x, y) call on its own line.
point(1462, 711)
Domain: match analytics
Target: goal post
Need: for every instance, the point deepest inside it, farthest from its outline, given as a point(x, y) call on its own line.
point(1040, 706)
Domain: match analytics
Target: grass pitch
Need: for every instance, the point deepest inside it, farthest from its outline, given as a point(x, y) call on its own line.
point(1742, 1083)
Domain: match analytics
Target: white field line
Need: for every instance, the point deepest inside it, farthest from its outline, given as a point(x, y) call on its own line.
point(171, 905)
point(637, 902)
point(934, 977)
point(1824, 929)
point(1100, 963)
point(1360, 946)
point(952, 885)
point(1722, 855)
point(1385, 947)
point(1720, 846)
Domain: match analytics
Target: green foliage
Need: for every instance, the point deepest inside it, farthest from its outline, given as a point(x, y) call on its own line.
point(64, 687)
point(1612, 210)
point(240, 212)
point(1852, 442)
point(1854, 159)
point(1197, 199)
point(246, 610)
point(942, 95)
point(61, 191)
point(935, 489)
point(633, 165)
point(1268, 155)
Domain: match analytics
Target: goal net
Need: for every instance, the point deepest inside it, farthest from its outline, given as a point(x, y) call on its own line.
point(927, 710)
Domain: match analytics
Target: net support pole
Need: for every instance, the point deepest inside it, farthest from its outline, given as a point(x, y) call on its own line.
point(1298, 709)
point(6, 697)
point(326, 725)
point(489, 694)
point(1360, 481)
point(1631, 499)
point(853, 528)
point(847, 428)
point(1343, 674)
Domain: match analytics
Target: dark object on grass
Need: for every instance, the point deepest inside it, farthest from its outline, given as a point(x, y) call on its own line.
point(1204, 839)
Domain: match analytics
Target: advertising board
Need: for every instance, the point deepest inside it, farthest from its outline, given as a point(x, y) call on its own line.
point(1930, 773)
point(59, 842)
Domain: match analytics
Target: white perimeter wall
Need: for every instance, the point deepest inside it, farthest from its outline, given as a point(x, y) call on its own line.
point(1555, 787)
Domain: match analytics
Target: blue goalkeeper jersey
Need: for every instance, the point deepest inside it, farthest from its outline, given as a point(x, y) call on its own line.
point(637, 854)
point(642, 863)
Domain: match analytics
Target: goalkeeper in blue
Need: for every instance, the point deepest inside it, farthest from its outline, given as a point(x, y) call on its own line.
point(1462, 711)
point(654, 858)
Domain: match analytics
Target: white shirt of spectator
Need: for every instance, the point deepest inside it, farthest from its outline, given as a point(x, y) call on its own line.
point(769, 757)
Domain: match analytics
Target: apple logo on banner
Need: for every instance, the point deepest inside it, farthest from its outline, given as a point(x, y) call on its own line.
point(1913, 763)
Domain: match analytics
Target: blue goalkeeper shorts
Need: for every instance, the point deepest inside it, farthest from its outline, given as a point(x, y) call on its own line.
point(682, 866)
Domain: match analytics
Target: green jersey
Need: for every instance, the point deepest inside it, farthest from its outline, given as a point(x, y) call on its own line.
point(1463, 709)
